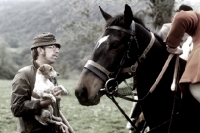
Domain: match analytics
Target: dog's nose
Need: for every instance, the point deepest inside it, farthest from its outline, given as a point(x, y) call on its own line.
point(58, 74)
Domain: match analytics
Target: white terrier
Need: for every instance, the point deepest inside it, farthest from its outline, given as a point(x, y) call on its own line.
point(44, 89)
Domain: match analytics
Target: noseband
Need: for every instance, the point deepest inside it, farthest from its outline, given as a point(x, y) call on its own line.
point(110, 77)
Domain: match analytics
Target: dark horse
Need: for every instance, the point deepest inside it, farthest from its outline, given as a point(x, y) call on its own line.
point(126, 43)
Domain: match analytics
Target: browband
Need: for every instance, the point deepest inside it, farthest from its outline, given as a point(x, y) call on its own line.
point(131, 32)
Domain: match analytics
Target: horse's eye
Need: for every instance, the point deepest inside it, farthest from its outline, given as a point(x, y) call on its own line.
point(114, 45)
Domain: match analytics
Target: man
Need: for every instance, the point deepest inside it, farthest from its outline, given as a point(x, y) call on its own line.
point(44, 50)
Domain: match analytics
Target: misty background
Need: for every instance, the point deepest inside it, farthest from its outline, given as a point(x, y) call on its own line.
point(77, 24)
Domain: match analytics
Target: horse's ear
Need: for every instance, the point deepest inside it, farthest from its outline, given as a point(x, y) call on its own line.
point(105, 15)
point(128, 15)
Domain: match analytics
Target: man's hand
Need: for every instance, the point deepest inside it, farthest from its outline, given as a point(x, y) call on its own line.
point(64, 128)
point(57, 95)
point(45, 102)
point(177, 50)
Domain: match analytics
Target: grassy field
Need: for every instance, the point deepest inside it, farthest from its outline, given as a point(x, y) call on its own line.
point(102, 118)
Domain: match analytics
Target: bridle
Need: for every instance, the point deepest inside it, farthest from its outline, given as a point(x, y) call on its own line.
point(110, 77)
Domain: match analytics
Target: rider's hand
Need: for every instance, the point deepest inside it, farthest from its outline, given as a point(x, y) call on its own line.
point(177, 50)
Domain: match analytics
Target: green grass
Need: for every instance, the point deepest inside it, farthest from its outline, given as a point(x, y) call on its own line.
point(102, 118)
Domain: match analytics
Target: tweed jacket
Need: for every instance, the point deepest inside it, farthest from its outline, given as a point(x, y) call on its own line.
point(189, 22)
point(23, 107)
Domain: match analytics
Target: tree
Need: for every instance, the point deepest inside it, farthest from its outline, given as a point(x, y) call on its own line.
point(6, 66)
point(2, 53)
point(161, 11)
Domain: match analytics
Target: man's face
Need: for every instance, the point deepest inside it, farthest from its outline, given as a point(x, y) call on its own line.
point(50, 53)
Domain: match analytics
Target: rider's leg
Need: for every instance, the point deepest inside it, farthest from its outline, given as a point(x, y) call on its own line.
point(195, 91)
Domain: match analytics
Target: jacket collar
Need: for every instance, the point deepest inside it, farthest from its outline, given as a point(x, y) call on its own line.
point(35, 65)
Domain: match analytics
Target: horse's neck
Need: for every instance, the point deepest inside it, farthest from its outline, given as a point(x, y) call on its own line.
point(152, 65)
point(147, 74)
point(156, 55)
point(149, 69)
point(143, 37)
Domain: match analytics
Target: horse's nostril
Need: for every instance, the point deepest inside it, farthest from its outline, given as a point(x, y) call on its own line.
point(81, 95)
point(83, 92)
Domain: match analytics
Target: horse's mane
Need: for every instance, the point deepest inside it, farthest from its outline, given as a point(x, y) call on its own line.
point(118, 21)
point(159, 39)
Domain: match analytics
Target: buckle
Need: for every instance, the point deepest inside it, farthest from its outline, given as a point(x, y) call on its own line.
point(111, 86)
point(133, 68)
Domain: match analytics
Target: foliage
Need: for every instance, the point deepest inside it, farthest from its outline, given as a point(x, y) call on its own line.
point(6, 67)
point(76, 25)
point(161, 12)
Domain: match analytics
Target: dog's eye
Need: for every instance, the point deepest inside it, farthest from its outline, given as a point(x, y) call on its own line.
point(50, 69)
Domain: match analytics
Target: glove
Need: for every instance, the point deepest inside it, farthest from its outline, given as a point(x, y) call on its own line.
point(177, 50)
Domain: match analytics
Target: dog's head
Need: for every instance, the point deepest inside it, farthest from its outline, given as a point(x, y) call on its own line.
point(47, 71)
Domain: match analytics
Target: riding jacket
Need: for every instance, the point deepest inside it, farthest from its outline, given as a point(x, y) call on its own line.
point(185, 44)
point(189, 22)
point(24, 108)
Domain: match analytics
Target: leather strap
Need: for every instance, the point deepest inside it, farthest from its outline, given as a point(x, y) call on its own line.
point(97, 69)
point(121, 29)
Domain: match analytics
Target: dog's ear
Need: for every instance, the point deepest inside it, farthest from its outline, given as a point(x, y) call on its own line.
point(42, 68)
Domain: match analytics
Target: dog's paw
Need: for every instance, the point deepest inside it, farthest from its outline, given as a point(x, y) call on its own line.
point(65, 92)
point(53, 99)
point(63, 89)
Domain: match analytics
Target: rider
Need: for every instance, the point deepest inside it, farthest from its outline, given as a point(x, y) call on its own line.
point(187, 22)
point(186, 40)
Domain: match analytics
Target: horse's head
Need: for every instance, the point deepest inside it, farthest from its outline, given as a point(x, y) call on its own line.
point(110, 56)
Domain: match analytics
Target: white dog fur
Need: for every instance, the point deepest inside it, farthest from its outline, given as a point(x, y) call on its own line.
point(43, 89)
